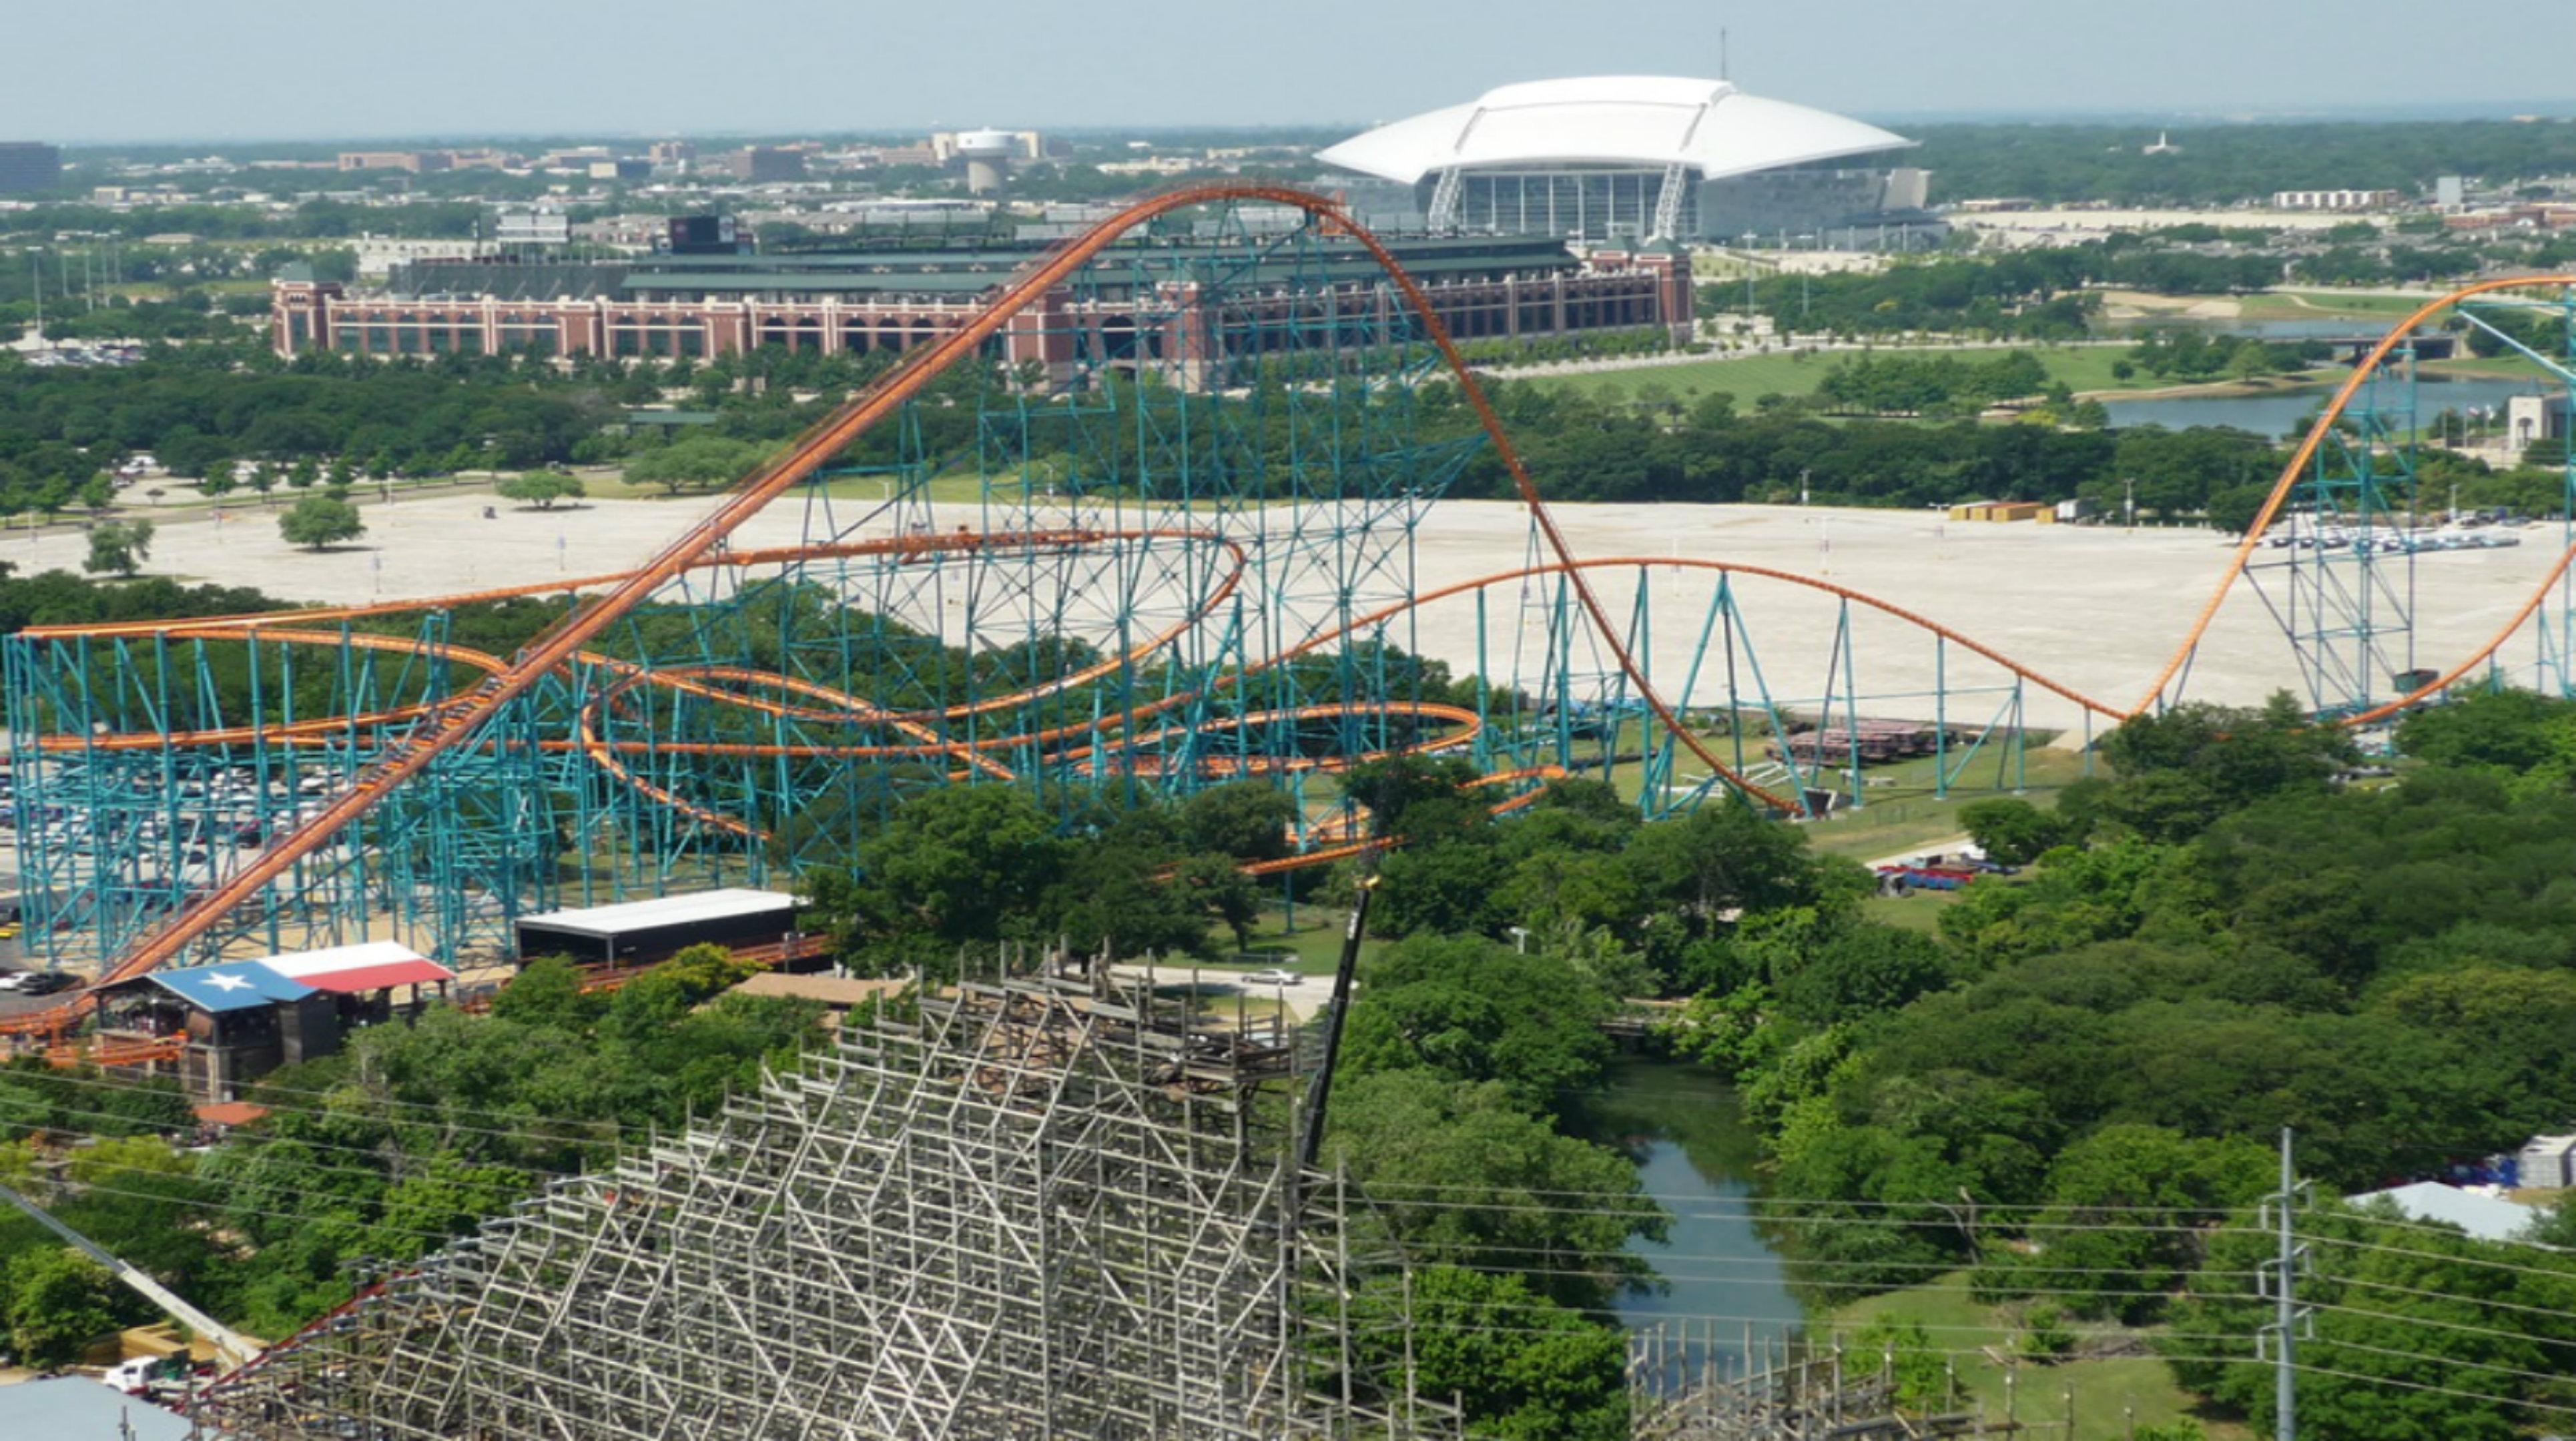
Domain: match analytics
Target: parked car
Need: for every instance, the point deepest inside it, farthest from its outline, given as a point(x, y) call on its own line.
point(39, 983)
point(1273, 977)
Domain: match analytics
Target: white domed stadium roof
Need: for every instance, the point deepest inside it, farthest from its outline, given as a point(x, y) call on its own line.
point(1641, 120)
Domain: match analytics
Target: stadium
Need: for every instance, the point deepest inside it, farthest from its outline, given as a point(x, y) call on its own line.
point(1627, 157)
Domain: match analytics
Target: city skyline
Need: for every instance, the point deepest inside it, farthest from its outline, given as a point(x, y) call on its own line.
point(204, 73)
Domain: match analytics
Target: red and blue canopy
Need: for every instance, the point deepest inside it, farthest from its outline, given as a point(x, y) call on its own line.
point(343, 970)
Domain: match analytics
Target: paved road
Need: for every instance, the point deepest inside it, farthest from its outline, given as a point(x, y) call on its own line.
point(1303, 997)
point(1947, 846)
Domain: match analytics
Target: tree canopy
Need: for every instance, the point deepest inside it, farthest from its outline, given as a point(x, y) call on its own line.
point(318, 522)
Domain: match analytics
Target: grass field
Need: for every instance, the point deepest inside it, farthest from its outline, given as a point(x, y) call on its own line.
point(2111, 1395)
point(2081, 367)
point(1314, 948)
point(2511, 367)
point(2326, 304)
point(1901, 810)
point(1919, 911)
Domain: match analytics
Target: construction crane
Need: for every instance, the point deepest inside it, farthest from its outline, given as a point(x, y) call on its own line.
point(234, 1348)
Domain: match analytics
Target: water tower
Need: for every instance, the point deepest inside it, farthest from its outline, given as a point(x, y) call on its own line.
point(987, 154)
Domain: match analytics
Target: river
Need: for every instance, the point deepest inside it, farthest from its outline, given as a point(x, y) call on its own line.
point(2275, 412)
point(1696, 1155)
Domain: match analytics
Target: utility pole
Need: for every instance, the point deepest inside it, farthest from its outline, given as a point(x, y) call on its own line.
point(2279, 1278)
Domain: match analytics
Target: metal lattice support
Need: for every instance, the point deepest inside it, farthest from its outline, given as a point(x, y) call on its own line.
point(1442, 214)
point(1050, 1208)
point(2508, 320)
point(1671, 198)
point(2342, 586)
point(147, 766)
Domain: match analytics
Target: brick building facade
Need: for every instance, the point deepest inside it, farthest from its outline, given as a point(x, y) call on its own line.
point(1138, 306)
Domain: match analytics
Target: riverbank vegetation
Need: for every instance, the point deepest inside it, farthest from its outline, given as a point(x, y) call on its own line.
point(2069, 1094)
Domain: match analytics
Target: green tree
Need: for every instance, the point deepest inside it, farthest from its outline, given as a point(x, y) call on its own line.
point(1524, 1367)
point(960, 865)
point(2011, 831)
point(317, 522)
point(118, 546)
point(1117, 891)
point(539, 488)
point(1464, 1176)
point(2512, 730)
point(2233, 510)
point(1859, 968)
point(547, 992)
point(2415, 1332)
point(1474, 1010)
point(1246, 820)
point(1719, 862)
point(58, 1302)
point(446, 1196)
point(1219, 888)
point(2123, 1227)
point(698, 462)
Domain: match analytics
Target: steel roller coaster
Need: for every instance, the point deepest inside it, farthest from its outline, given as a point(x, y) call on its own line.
point(1187, 556)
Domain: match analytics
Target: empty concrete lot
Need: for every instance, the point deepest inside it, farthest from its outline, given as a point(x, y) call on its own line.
point(2095, 608)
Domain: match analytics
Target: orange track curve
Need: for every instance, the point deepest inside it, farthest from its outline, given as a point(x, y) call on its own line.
point(2297, 467)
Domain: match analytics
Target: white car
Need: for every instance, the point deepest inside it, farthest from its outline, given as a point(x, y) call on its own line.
point(1273, 977)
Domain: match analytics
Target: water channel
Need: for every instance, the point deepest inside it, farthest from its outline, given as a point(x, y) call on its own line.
point(2273, 413)
point(1725, 1286)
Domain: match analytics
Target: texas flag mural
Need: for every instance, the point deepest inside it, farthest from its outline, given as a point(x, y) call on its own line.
point(240, 985)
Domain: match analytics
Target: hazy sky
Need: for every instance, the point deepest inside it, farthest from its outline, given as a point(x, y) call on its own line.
point(213, 69)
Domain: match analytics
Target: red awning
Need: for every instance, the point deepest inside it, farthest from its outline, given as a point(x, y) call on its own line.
point(372, 966)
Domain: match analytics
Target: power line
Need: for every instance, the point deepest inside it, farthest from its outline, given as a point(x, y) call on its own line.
point(2559, 1274)
point(1977, 1352)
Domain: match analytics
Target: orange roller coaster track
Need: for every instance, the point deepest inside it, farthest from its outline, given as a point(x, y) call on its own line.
point(441, 725)
point(445, 726)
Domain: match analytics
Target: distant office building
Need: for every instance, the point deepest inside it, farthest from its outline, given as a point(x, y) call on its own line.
point(2450, 192)
point(622, 168)
point(1626, 158)
point(27, 167)
point(671, 152)
point(2333, 199)
point(762, 164)
point(415, 162)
